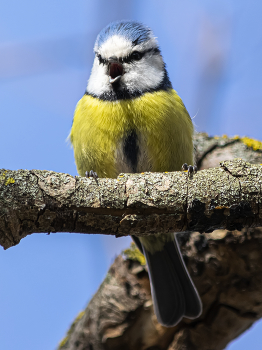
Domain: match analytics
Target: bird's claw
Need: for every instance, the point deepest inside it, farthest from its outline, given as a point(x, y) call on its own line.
point(189, 168)
point(92, 174)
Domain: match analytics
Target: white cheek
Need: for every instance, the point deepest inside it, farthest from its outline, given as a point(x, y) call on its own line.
point(98, 82)
point(145, 74)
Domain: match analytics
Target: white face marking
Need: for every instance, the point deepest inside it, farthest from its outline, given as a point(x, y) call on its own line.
point(141, 75)
point(116, 45)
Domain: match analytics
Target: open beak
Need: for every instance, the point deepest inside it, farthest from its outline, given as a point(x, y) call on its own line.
point(115, 71)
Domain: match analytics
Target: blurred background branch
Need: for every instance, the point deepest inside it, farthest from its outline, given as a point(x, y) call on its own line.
point(226, 268)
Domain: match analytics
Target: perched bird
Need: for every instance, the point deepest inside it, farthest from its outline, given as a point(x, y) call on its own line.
point(131, 120)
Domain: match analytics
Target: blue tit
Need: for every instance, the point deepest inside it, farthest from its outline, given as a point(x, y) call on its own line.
point(131, 120)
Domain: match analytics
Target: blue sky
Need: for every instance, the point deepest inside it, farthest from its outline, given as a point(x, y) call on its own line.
point(213, 53)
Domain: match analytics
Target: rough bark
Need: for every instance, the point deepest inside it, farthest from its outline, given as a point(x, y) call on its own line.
point(228, 197)
point(226, 267)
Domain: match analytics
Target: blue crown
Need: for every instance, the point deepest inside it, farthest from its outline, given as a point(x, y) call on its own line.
point(133, 31)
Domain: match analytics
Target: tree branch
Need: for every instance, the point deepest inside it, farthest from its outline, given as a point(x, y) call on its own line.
point(226, 197)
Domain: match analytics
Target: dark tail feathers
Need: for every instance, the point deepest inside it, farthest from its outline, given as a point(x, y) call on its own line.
point(173, 292)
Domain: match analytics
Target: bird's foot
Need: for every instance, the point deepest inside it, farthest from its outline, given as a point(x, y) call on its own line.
point(92, 174)
point(189, 168)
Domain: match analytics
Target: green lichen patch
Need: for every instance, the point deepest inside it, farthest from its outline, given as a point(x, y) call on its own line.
point(65, 339)
point(133, 253)
point(63, 342)
point(3, 175)
point(252, 143)
point(9, 181)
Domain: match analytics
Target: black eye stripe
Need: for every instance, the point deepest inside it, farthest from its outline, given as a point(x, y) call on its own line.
point(129, 59)
point(100, 59)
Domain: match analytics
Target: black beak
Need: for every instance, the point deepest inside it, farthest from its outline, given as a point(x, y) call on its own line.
point(115, 70)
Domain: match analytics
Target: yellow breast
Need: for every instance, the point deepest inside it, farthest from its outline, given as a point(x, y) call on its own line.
point(162, 127)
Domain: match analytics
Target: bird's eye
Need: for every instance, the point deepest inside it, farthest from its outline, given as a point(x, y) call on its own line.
point(136, 56)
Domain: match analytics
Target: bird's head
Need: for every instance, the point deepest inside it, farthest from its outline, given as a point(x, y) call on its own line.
point(127, 62)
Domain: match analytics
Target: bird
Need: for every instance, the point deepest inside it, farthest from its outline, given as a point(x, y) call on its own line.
point(130, 120)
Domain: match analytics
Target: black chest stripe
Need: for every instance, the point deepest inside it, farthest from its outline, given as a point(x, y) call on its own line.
point(131, 149)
